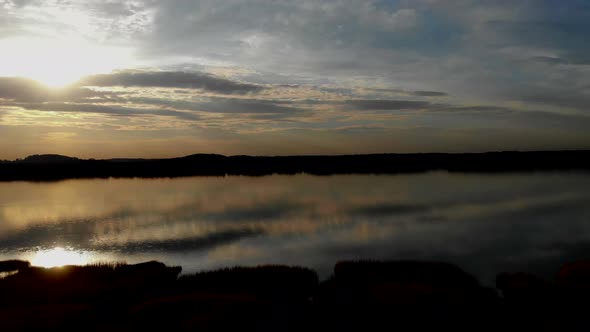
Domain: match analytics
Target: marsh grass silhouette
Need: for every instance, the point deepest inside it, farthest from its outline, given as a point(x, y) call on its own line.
point(13, 265)
point(548, 305)
point(405, 294)
point(360, 296)
point(86, 284)
point(271, 280)
point(260, 298)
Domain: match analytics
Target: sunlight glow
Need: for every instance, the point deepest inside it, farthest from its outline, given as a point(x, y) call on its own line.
point(59, 61)
point(59, 257)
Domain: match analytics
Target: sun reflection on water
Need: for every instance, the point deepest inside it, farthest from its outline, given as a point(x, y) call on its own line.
point(59, 257)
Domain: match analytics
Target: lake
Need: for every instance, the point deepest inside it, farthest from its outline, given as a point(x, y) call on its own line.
point(486, 224)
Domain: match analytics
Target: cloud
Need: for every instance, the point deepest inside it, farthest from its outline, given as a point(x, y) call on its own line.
point(403, 19)
point(389, 209)
point(429, 93)
point(317, 65)
point(310, 38)
point(449, 46)
point(501, 118)
point(223, 105)
point(106, 109)
point(115, 8)
point(419, 93)
point(385, 105)
point(168, 79)
point(268, 211)
point(562, 99)
point(186, 244)
point(555, 32)
point(28, 90)
point(244, 106)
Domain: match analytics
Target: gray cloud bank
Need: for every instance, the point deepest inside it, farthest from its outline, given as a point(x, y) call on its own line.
point(422, 110)
point(27, 90)
point(325, 74)
point(166, 79)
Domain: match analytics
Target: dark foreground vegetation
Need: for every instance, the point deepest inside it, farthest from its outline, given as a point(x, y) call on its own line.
point(360, 296)
point(55, 167)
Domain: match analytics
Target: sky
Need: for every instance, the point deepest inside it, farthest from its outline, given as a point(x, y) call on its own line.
point(148, 78)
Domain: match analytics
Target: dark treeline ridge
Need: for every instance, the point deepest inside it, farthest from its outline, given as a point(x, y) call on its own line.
point(360, 296)
point(55, 167)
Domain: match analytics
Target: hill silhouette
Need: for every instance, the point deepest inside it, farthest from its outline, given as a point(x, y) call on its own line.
point(49, 159)
point(55, 167)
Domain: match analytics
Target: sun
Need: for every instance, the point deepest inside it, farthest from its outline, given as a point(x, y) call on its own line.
point(59, 257)
point(57, 62)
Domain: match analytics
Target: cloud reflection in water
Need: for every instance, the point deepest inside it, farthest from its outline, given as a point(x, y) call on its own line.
point(486, 223)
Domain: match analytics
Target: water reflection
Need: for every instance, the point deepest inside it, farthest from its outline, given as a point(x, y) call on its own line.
point(485, 223)
point(58, 257)
point(7, 274)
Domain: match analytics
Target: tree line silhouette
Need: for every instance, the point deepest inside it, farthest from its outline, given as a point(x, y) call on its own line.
point(56, 167)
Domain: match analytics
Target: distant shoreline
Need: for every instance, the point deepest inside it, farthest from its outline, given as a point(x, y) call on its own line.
point(56, 167)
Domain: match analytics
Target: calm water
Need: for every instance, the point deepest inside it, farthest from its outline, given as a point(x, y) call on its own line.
point(484, 223)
